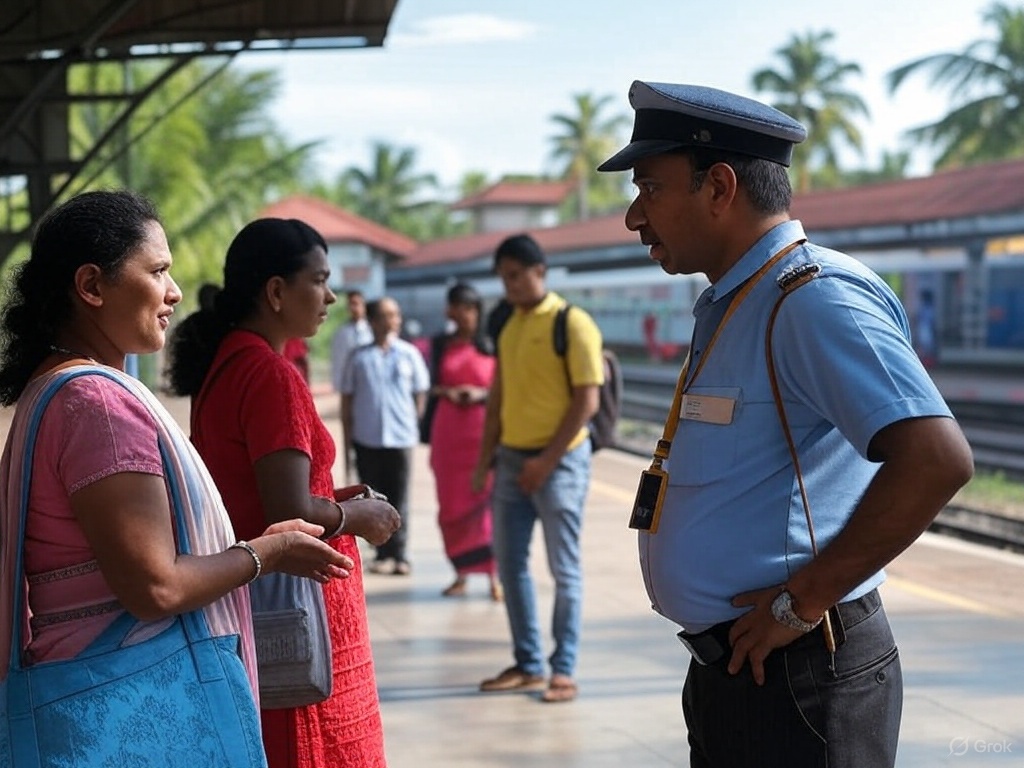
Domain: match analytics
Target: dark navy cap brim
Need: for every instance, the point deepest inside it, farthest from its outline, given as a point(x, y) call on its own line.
point(670, 116)
point(626, 157)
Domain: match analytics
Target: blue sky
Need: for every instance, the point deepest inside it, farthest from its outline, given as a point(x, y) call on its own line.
point(472, 85)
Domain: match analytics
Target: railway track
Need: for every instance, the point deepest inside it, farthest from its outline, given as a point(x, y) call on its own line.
point(994, 430)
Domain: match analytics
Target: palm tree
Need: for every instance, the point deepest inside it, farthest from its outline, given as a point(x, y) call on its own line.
point(390, 190)
point(986, 82)
point(811, 88)
point(588, 138)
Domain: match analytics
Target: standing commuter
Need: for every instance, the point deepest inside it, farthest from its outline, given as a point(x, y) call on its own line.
point(462, 369)
point(769, 545)
point(383, 392)
point(536, 438)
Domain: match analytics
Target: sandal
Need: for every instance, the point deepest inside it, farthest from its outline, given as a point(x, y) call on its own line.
point(497, 593)
point(560, 688)
point(456, 589)
point(513, 679)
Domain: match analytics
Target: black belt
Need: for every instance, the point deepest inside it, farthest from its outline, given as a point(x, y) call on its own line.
point(712, 645)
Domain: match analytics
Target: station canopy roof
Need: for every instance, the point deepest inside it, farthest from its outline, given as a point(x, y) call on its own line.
point(87, 29)
point(40, 39)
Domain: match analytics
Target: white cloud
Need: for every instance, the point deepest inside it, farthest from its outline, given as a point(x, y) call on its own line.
point(460, 29)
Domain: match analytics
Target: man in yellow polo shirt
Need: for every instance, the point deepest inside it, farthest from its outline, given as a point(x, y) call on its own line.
point(536, 439)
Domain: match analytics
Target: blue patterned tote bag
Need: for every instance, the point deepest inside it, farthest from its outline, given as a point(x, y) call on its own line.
point(180, 699)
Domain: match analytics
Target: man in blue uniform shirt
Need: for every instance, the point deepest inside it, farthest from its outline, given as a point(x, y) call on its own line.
point(767, 551)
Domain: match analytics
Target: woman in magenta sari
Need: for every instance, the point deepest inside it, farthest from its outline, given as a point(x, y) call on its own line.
point(462, 369)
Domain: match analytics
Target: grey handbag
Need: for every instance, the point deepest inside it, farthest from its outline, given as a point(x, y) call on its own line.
point(293, 643)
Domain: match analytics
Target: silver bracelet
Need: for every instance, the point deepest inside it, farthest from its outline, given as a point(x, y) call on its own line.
point(255, 557)
point(341, 522)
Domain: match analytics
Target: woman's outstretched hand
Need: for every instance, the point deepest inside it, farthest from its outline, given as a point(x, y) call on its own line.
point(292, 546)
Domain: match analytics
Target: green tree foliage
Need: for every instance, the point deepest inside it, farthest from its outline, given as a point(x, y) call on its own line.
point(586, 139)
point(473, 182)
point(202, 146)
point(810, 86)
point(392, 192)
point(986, 83)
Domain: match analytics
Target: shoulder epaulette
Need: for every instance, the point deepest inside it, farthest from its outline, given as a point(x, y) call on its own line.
point(797, 275)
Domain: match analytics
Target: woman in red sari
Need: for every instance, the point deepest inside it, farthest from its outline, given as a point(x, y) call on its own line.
point(463, 367)
point(255, 424)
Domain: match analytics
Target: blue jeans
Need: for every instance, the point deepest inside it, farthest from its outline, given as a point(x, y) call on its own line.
point(559, 507)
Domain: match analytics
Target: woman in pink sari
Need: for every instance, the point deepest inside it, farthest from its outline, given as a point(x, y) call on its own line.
point(462, 369)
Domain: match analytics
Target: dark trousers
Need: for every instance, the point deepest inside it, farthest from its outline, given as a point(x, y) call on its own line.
point(387, 470)
point(807, 714)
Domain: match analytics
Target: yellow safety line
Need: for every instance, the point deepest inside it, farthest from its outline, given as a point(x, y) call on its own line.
point(941, 596)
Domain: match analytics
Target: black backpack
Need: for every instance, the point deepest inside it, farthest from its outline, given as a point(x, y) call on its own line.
point(604, 423)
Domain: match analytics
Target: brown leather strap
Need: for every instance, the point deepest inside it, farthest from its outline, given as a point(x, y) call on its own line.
point(788, 284)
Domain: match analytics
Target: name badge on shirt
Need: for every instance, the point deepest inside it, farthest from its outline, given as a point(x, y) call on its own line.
point(707, 408)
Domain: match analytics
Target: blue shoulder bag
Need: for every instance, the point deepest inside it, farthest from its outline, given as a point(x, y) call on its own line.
point(178, 700)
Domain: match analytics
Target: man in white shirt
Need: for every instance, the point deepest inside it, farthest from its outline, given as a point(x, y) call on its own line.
point(384, 390)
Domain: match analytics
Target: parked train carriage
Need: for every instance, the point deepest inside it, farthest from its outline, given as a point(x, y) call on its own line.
point(1005, 307)
point(956, 315)
point(932, 288)
point(641, 312)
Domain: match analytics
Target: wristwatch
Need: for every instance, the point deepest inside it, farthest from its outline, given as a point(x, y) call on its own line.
point(782, 611)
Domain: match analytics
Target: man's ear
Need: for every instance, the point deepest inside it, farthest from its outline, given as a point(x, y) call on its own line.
point(87, 284)
point(722, 184)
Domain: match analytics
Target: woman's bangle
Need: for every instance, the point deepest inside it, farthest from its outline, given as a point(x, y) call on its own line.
point(255, 558)
point(341, 520)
